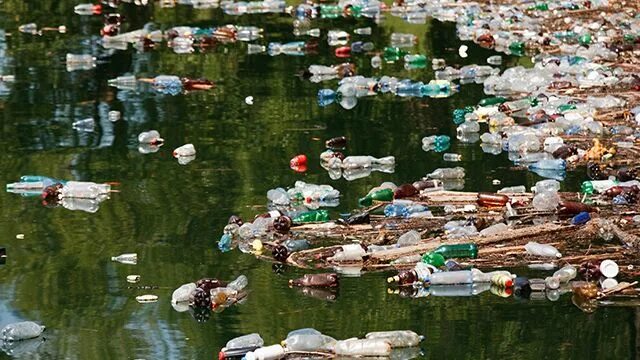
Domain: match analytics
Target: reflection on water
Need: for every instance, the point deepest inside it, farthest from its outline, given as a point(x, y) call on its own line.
point(61, 275)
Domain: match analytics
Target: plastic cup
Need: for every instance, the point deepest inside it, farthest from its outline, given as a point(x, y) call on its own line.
point(609, 268)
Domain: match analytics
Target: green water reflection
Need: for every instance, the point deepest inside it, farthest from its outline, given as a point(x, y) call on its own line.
point(172, 215)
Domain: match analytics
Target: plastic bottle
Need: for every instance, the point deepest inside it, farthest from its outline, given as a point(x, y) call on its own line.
point(543, 250)
point(449, 251)
point(362, 31)
point(403, 40)
point(362, 347)
point(380, 195)
point(185, 150)
point(309, 341)
point(581, 219)
point(84, 190)
point(597, 186)
point(451, 277)
point(349, 252)
point(130, 258)
point(420, 273)
point(494, 60)
point(492, 200)
point(405, 191)
point(409, 238)
point(240, 346)
point(447, 173)
point(433, 259)
point(312, 216)
point(86, 125)
point(519, 189)
point(415, 61)
point(316, 280)
point(482, 277)
point(150, 137)
point(183, 293)
point(549, 164)
point(397, 338)
point(548, 185)
point(495, 229)
point(80, 62)
point(545, 201)
point(124, 82)
point(21, 331)
point(452, 157)
point(272, 352)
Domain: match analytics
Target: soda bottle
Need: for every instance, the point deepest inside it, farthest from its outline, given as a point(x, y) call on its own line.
point(469, 250)
point(380, 195)
point(492, 200)
point(312, 216)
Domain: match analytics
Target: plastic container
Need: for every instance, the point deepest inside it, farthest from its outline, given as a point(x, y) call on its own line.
point(543, 250)
point(363, 347)
point(397, 338)
point(21, 331)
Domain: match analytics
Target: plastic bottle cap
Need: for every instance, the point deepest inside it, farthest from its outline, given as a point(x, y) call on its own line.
point(609, 268)
point(608, 283)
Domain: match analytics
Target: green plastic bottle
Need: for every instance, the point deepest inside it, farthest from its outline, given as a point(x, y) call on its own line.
point(416, 61)
point(391, 54)
point(380, 195)
point(312, 216)
point(517, 48)
point(492, 101)
point(434, 259)
point(585, 39)
point(469, 250)
point(330, 11)
point(539, 6)
point(566, 107)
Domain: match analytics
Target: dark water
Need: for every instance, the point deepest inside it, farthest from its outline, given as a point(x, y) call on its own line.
point(172, 215)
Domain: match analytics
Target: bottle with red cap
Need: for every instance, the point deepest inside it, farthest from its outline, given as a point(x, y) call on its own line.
point(88, 9)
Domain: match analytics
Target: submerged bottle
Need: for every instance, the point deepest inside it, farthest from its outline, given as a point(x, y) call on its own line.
point(316, 280)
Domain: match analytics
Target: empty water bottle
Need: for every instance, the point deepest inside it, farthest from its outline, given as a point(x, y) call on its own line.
point(21, 331)
point(129, 259)
point(85, 125)
point(447, 173)
point(452, 157)
point(543, 250)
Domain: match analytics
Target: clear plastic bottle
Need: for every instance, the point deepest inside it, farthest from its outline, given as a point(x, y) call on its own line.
point(183, 293)
point(543, 250)
point(452, 157)
point(451, 277)
point(85, 125)
point(519, 189)
point(124, 82)
point(150, 137)
point(129, 259)
point(21, 331)
point(409, 238)
point(84, 190)
point(245, 341)
point(362, 31)
point(80, 62)
point(272, 352)
point(184, 151)
point(349, 252)
point(397, 338)
point(309, 342)
point(362, 347)
point(494, 229)
point(447, 173)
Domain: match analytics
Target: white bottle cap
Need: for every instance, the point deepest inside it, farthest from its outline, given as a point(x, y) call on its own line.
point(609, 268)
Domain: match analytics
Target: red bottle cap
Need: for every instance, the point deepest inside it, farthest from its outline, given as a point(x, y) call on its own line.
point(221, 355)
point(97, 9)
point(343, 52)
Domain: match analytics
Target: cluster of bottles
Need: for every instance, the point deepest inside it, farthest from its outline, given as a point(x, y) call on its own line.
point(621, 186)
point(206, 295)
point(162, 84)
point(273, 225)
point(371, 9)
point(72, 195)
point(310, 195)
point(393, 344)
point(467, 74)
point(556, 73)
point(352, 88)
